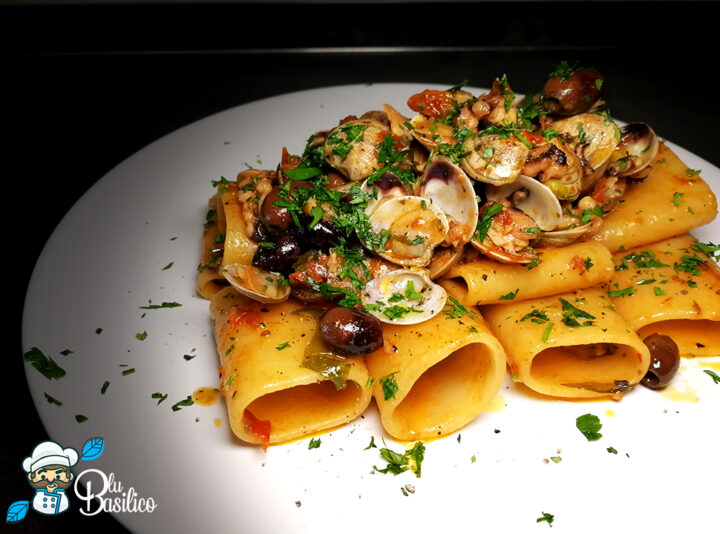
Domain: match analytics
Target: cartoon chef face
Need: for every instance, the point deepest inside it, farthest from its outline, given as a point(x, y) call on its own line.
point(51, 477)
point(48, 471)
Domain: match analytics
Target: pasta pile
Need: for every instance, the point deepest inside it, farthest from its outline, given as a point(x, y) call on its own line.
point(414, 261)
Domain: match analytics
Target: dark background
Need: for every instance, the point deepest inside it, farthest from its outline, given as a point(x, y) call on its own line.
point(85, 86)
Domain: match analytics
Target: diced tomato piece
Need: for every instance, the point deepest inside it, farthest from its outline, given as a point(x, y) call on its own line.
point(432, 103)
point(578, 263)
point(260, 429)
point(533, 138)
point(238, 317)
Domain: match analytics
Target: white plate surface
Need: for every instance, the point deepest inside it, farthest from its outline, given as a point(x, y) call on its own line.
point(106, 259)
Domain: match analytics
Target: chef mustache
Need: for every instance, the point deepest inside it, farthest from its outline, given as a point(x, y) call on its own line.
point(44, 483)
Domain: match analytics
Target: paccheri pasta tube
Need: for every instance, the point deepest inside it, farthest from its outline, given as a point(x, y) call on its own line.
point(483, 281)
point(671, 287)
point(570, 345)
point(279, 382)
point(432, 378)
point(672, 200)
point(228, 230)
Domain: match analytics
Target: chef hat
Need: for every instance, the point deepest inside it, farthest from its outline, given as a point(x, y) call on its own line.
point(49, 453)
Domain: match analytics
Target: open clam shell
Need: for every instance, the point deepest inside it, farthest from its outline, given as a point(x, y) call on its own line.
point(594, 138)
point(258, 284)
point(448, 187)
point(494, 159)
point(444, 259)
point(353, 147)
point(413, 227)
point(404, 296)
point(638, 147)
point(386, 187)
point(532, 198)
point(561, 238)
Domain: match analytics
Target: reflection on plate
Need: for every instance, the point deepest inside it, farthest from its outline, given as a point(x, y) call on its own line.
point(115, 285)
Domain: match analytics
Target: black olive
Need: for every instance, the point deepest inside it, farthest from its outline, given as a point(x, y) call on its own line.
point(279, 257)
point(277, 219)
point(324, 235)
point(573, 94)
point(350, 332)
point(664, 361)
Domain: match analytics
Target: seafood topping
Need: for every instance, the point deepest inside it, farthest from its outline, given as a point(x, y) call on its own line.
point(448, 187)
point(405, 296)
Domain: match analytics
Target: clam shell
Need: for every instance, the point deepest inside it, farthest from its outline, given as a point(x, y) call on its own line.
point(414, 227)
point(540, 203)
point(494, 159)
point(409, 293)
point(449, 188)
point(258, 284)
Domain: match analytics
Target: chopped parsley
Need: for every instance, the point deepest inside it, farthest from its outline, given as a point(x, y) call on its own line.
point(690, 264)
point(45, 364)
point(546, 332)
point(536, 316)
point(709, 249)
point(455, 310)
point(659, 291)
point(187, 401)
point(142, 336)
point(589, 425)
point(389, 386)
point(510, 296)
point(398, 311)
point(342, 139)
point(622, 292)
point(81, 418)
point(485, 221)
point(548, 518)
point(104, 387)
point(159, 306)
point(640, 260)
point(571, 315)
point(371, 445)
point(397, 463)
point(282, 346)
point(713, 375)
point(52, 400)
point(314, 443)
point(159, 396)
point(127, 372)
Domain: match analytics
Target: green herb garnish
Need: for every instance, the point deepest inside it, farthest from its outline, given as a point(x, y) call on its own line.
point(589, 425)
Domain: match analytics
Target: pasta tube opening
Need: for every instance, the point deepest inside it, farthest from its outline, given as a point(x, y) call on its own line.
point(312, 407)
point(464, 378)
point(599, 367)
point(695, 338)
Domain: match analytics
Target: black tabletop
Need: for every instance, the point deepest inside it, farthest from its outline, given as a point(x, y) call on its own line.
point(85, 86)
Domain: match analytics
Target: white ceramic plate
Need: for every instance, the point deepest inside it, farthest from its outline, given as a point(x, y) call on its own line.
point(110, 256)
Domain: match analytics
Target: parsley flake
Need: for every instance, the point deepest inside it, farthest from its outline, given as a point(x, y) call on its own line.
point(44, 364)
point(399, 463)
point(389, 386)
point(712, 375)
point(589, 425)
